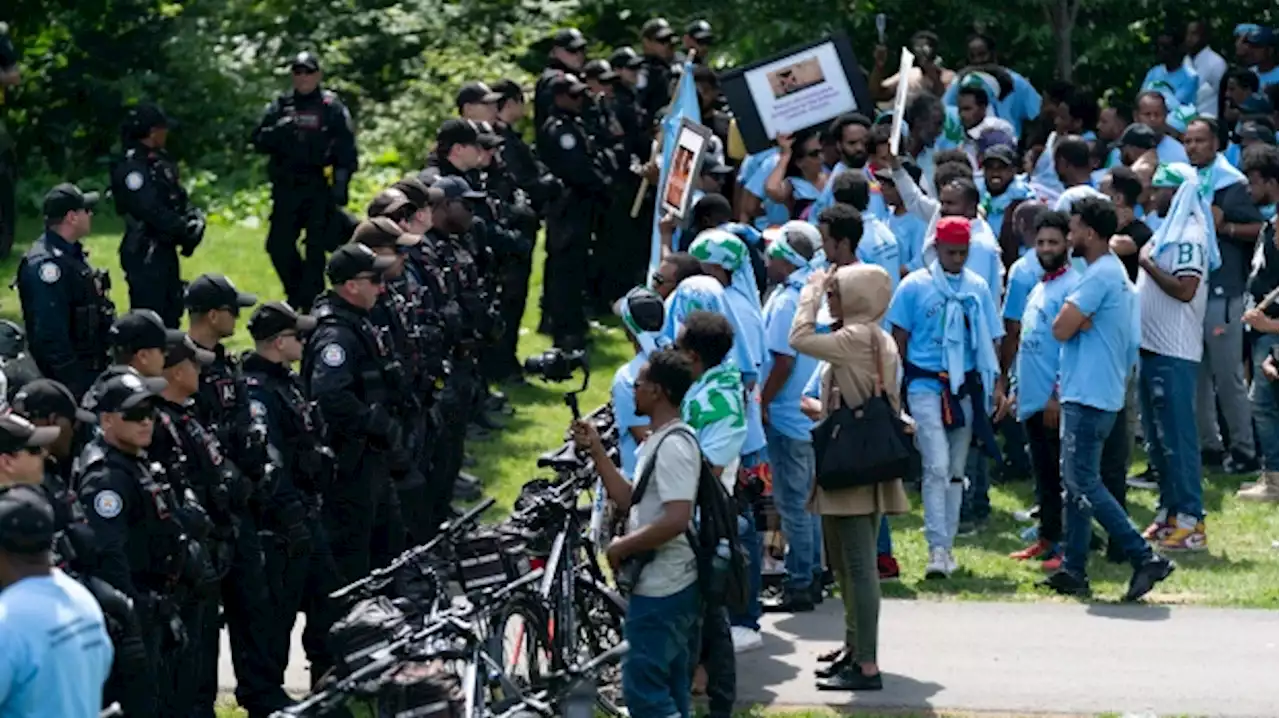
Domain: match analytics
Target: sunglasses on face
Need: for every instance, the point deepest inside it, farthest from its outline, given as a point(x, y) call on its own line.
point(303, 71)
point(33, 450)
point(812, 153)
point(371, 278)
point(139, 413)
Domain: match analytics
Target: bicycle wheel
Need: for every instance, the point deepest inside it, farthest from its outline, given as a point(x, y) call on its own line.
point(600, 615)
point(526, 643)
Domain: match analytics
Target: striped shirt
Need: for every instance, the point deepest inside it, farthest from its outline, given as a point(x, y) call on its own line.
point(1170, 327)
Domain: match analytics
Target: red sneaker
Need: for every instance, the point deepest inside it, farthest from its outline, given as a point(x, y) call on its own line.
point(1053, 564)
point(888, 566)
point(1035, 550)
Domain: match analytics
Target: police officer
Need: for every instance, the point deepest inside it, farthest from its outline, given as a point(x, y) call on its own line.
point(657, 41)
point(563, 144)
point(138, 340)
point(697, 39)
point(10, 76)
point(343, 368)
point(65, 307)
point(477, 102)
point(310, 138)
point(49, 405)
point(299, 563)
point(143, 548)
point(715, 113)
point(159, 218)
point(635, 124)
point(568, 52)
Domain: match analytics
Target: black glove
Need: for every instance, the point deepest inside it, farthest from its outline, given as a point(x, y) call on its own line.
point(340, 194)
point(299, 538)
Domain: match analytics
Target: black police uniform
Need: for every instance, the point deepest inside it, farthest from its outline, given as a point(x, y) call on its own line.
point(144, 551)
point(653, 88)
point(299, 563)
point(8, 157)
point(159, 222)
point(304, 135)
point(519, 216)
point(65, 310)
point(343, 369)
point(564, 146)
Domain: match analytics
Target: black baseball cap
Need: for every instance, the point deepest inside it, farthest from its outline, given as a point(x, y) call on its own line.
point(306, 61)
point(16, 433)
point(418, 192)
point(456, 132)
point(626, 57)
point(67, 197)
point(567, 83)
point(142, 329)
point(508, 89)
point(386, 202)
point(642, 309)
point(26, 520)
point(657, 29)
point(353, 259)
point(476, 93)
point(599, 70)
point(569, 38)
point(46, 397)
point(456, 188)
point(1140, 136)
point(1261, 37)
point(713, 165)
point(700, 30)
point(382, 232)
point(488, 136)
point(1001, 153)
point(126, 391)
point(188, 349)
point(215, 291)
point(145, 117)
point(273, 318)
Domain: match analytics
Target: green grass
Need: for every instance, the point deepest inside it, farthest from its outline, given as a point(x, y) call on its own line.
point(1240, 568)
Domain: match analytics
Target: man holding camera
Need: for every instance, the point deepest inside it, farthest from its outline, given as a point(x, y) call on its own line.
point(655, 554)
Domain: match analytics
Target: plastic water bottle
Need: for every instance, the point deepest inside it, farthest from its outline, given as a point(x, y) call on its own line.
point(720, 564)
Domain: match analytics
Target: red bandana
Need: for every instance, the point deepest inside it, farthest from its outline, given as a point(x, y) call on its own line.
point(1050, 276)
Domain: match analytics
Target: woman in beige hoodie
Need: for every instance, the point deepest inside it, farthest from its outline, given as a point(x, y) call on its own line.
point(858, 355)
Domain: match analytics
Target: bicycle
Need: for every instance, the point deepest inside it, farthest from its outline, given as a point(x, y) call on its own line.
point(574, 692)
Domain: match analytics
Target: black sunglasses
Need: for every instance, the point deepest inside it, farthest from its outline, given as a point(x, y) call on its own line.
point(373, 278)
point(304, 71)
point(34, 450)
point(813, 153)
point(141, 412)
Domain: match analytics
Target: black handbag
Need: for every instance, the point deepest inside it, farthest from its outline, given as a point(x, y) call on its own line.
point(863, 445)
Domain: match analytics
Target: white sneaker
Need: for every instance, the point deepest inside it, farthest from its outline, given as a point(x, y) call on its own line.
point(745, 639)
point(951, 563)
point(938, 565)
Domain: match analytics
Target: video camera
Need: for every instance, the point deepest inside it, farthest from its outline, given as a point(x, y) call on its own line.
point(556, 364)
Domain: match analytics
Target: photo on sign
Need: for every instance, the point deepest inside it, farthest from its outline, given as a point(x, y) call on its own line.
point(686, 162)
point(795, 78)
point(803, 87)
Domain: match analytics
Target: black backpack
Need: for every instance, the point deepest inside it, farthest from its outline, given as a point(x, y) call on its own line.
point(716, 520)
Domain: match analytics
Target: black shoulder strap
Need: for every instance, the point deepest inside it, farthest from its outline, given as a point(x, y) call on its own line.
point(642, 484)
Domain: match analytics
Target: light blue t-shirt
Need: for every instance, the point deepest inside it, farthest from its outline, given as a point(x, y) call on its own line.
point(775, 213)
point(803, 195)
point(55, 653)
point(1270, 77)
point(878, 246)
point(784, 411)
point(623, 395)
point(1020, 105)
point(813, 385)
point(1036, 371)
point(1184, 81)
point(1170, 150)
point(876, 206)
point(1095, 362)
point(1023, 277)
point(909, 230)
point(750, 343)
point(917, 307)
point(986, 260)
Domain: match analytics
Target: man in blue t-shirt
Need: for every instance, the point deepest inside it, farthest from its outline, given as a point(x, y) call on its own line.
point(55, 653)
point(786, 428)
point(1096, 327)
point(1173, 74)
point(946, 325)
point(1031, 352)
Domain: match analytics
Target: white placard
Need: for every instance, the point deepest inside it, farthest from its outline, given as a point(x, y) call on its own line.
point(800, 90)
point(900, 99)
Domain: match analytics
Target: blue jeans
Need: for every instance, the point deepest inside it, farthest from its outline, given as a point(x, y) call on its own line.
point(943, 453)
point(793, 468)
point(1266, 402)
point(884, 539)
point(1083, 431)
point(1168, 398)
point(658, 670)
point(750, 540)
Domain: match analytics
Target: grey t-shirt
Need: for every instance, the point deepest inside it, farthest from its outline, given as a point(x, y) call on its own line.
point(676, 469)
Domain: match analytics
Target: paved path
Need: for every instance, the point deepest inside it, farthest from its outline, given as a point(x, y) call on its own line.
point(1016, 658)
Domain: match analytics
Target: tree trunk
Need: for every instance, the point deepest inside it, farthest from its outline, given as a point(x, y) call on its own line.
point(1062, 18)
